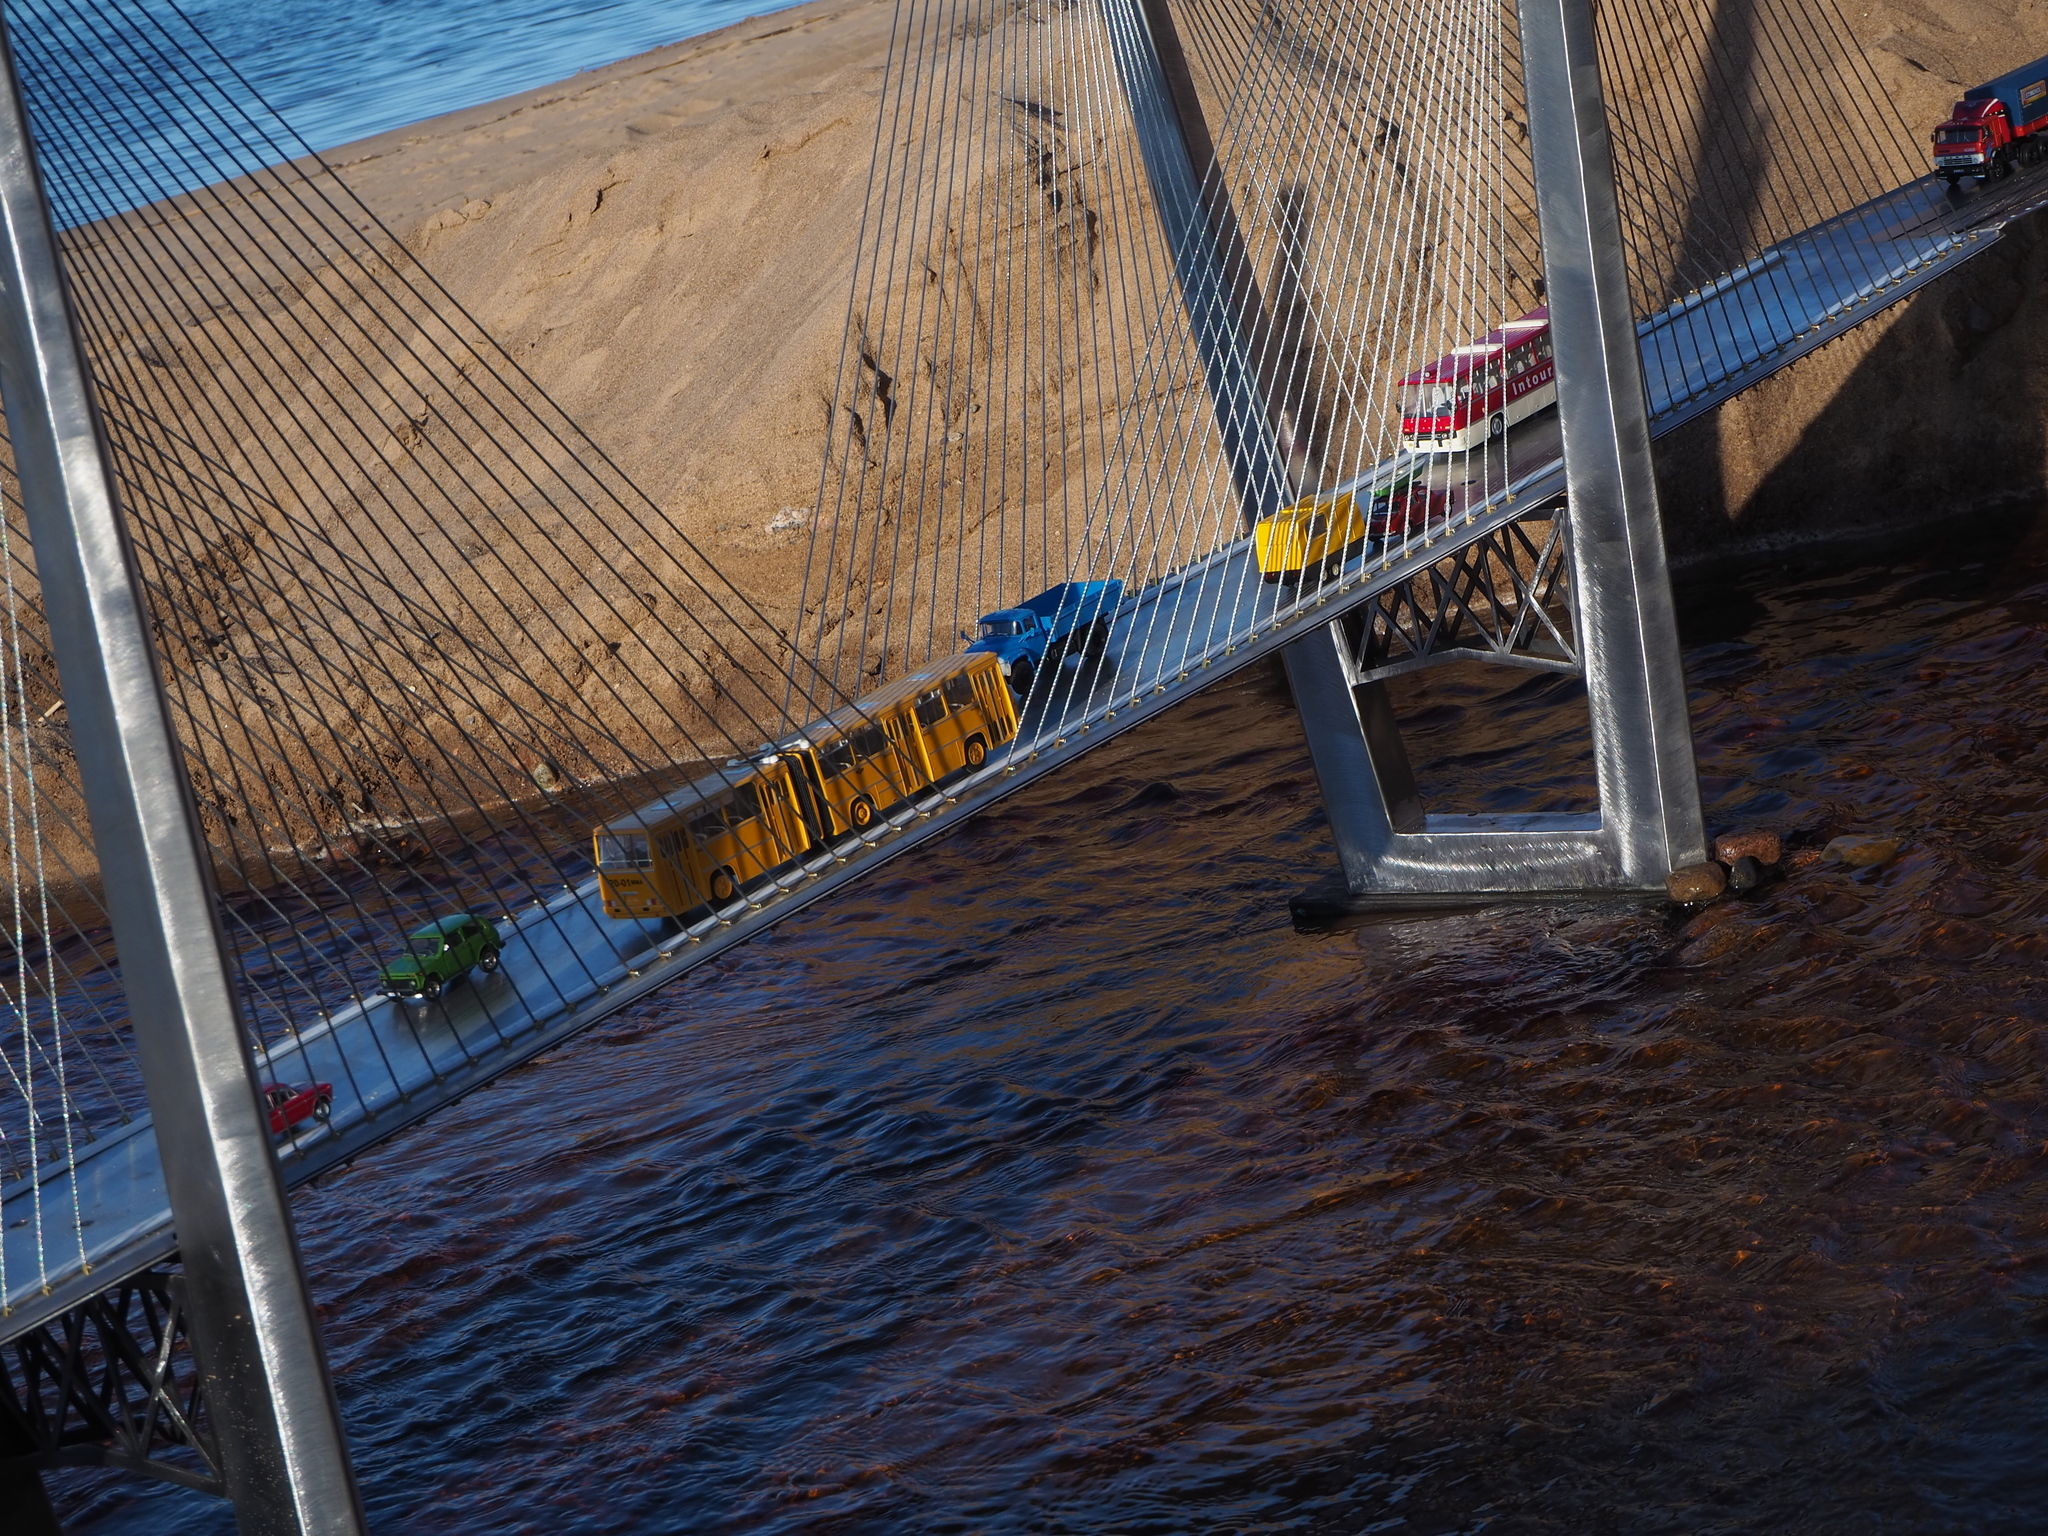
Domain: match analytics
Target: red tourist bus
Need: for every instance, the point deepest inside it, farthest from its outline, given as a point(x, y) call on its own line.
point(1480, 391)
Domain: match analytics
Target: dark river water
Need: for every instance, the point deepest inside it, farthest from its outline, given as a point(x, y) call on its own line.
point(1056, 1183)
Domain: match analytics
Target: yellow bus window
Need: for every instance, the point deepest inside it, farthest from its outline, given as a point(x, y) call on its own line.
point(622, 850)
point(931, 709)
point(868, 741)
point(836, 759)
point(959, 689)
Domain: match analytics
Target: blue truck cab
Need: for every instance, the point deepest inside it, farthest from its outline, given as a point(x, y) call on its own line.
point(1071, 619)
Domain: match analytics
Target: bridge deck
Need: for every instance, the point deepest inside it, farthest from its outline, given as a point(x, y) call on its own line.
point(566, 965)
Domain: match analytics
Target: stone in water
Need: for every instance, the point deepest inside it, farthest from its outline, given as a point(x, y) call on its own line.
point(1696, 883)
point(1749, 844)
point(1860, 852)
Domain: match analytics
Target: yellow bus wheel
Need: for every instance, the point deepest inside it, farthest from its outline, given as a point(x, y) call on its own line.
point(977, 751)
point(861, 813)
point(724, 887)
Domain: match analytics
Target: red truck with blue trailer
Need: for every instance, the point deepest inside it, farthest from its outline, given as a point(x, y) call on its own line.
point(1995, 127)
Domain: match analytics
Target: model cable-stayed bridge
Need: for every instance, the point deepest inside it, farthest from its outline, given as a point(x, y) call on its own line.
point(1131, 277)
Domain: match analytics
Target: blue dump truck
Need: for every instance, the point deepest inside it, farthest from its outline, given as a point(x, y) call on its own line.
point(1071, 619)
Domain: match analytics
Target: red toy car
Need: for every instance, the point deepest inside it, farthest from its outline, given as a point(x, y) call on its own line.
point(289, 1105)
point(1409, 509)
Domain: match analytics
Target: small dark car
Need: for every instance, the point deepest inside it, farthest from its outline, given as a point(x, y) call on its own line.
point(288, 1105)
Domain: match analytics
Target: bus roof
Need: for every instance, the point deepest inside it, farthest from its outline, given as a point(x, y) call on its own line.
point(1459, 361)
point(908, 686)
point(678, 802)
point(719, 781)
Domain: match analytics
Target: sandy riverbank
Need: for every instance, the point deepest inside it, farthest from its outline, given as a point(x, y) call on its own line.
point(632, 231)
point(665, 245)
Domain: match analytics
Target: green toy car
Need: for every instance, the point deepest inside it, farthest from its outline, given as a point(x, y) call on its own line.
point(441, 953)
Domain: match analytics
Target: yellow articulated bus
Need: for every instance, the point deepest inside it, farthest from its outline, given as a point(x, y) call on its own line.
point(696, 849)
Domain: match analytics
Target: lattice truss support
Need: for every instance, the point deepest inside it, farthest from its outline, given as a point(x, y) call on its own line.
point(1505, 598)
point(111, 1383)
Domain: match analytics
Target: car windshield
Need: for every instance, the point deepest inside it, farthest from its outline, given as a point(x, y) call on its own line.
point(1426, 399)
point(622, 850)
point(1955, 136)
point(1001, 627)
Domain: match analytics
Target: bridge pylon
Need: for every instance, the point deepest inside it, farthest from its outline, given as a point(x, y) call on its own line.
point(1621, 634)
point(273, 1441)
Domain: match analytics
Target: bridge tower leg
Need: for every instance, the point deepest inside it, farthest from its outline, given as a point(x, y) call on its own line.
point(264, 1374)
point(1650, 820)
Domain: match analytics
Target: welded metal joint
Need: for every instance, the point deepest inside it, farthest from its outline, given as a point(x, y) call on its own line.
point(112, 1383)
point(1505, 598)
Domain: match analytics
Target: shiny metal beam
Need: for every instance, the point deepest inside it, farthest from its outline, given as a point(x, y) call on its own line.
point(1201, 231)
point(1642, 733)
point(1216, 288)
point(1650, 820)
point(273, 1410)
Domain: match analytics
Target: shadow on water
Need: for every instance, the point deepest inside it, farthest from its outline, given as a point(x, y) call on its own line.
point(1053, 1183)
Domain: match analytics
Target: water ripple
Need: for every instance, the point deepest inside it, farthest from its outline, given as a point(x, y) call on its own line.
point(1054, 1183)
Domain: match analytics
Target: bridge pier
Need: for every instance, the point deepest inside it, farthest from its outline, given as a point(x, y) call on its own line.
point(1623, 630)
point(1649, 821)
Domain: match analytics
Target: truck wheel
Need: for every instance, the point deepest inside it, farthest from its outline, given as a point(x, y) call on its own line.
point(1498, 426)
point(861, 813)
point(1098, 637)
point(430, 989)
point(1021, 676)
point(977, 751)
